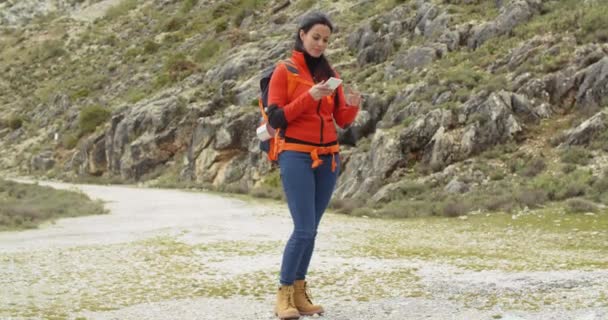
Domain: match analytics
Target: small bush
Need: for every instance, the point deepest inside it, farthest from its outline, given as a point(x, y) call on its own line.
point(594, 25)
point(208, 51)
point(49, 49)
point(568, 168)
point(15, 122)
point(305, 4)
point(267, 192)
point(187, 5)
point(121, 9)
point(179, 67)
point(69, 141)
point(532, 198)
point(534, 167)
point(150, 46)
point(173, 24)
point(499, 202)
point(80, 93)
point(221, 10)
point(578, 205)
point(91, 117)
point(346, 206)
point(360, 212)
point(221, 25)
point(455, 208)
point(408, 209)
point(576, 155)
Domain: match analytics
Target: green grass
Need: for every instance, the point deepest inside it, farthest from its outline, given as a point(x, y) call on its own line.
point(24, 206)
point(587, 22)
point(554, 241)
point(121, 9)
point(91, 117)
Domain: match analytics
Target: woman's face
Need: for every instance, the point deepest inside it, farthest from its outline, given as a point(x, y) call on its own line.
point(316, 39)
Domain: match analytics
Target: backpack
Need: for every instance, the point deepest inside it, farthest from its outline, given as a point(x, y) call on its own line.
point(270, 146)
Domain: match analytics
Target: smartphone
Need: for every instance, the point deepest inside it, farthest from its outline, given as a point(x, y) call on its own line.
point(333, 83)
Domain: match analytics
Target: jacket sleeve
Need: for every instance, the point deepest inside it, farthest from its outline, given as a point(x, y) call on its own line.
point(343, 113)
point(278, 96)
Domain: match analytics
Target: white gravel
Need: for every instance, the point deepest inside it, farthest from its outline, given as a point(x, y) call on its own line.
point(168, 254)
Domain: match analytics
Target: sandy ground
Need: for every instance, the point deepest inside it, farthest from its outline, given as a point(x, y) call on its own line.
point(168, 254)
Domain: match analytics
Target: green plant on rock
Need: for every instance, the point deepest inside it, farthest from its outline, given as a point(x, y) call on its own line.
point(176, 68)
point(121, 9)
point(91, 117)
point(187, 5)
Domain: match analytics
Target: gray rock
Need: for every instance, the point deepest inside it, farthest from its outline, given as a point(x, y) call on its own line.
point(593, 92)
point(584, 133)
point(372, 110)
point(417, 57)
point(442, 150)
point(515, 13)
point(43, 161)
point(491, 122)
point(418, 134)
point(361, 38)
point(90, 157)
point(145, 136)
point(387, 153)
point(355, 179)
point(376, 53)
point(456, 186)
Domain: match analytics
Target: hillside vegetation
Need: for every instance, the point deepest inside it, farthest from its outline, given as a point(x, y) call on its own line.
point(471, 105)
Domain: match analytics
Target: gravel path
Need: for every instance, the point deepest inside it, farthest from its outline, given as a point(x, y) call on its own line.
point(168, 254)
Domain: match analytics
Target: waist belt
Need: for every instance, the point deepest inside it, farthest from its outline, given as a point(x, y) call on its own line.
point(314, 152)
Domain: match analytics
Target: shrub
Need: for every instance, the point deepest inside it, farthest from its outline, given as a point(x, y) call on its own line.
point(576, 155)
point(578, 205)
point(173, 24)
point(179, 67)
point(69, 141)
point(121, 9)
point(534, 167)
point(455, 208)
point(221, 25)
point(15, 122)
point(346, 206)
point(594, 25)
point(503, 201)
point(150, 46)
point(208, 51)
point(408, 209)
point(49, 49)
point(187, 5)
point(91, 117)
point(532, 198)
point(266, 192)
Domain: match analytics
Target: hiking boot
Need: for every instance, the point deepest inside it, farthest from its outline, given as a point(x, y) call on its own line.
point(285, 307)
point(303, 300)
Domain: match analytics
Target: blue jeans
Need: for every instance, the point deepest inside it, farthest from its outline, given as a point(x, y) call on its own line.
point(308, 192)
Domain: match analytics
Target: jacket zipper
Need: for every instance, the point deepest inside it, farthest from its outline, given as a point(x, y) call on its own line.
point(320, 118)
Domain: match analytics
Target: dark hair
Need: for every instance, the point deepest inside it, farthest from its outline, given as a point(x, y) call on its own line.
point(323, 69)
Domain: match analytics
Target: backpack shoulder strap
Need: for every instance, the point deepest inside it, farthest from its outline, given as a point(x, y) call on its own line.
point(291, 67)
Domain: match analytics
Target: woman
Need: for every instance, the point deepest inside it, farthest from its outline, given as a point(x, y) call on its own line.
point(308, 152)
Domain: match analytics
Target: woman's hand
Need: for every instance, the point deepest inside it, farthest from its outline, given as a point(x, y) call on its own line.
point(353, 98)
point(320, 90)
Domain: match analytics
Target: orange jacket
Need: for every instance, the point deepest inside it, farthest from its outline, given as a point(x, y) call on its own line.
point(308, 120)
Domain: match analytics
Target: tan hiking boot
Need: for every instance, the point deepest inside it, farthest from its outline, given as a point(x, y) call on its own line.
point(303, 300)
point(285, 307)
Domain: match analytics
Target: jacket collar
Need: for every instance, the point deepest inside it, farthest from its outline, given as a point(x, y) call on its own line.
point(298, 58)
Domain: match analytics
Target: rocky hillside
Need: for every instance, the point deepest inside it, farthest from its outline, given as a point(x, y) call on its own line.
point(471, 105)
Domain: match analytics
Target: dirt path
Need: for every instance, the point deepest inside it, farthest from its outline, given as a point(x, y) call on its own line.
point(167, 254)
